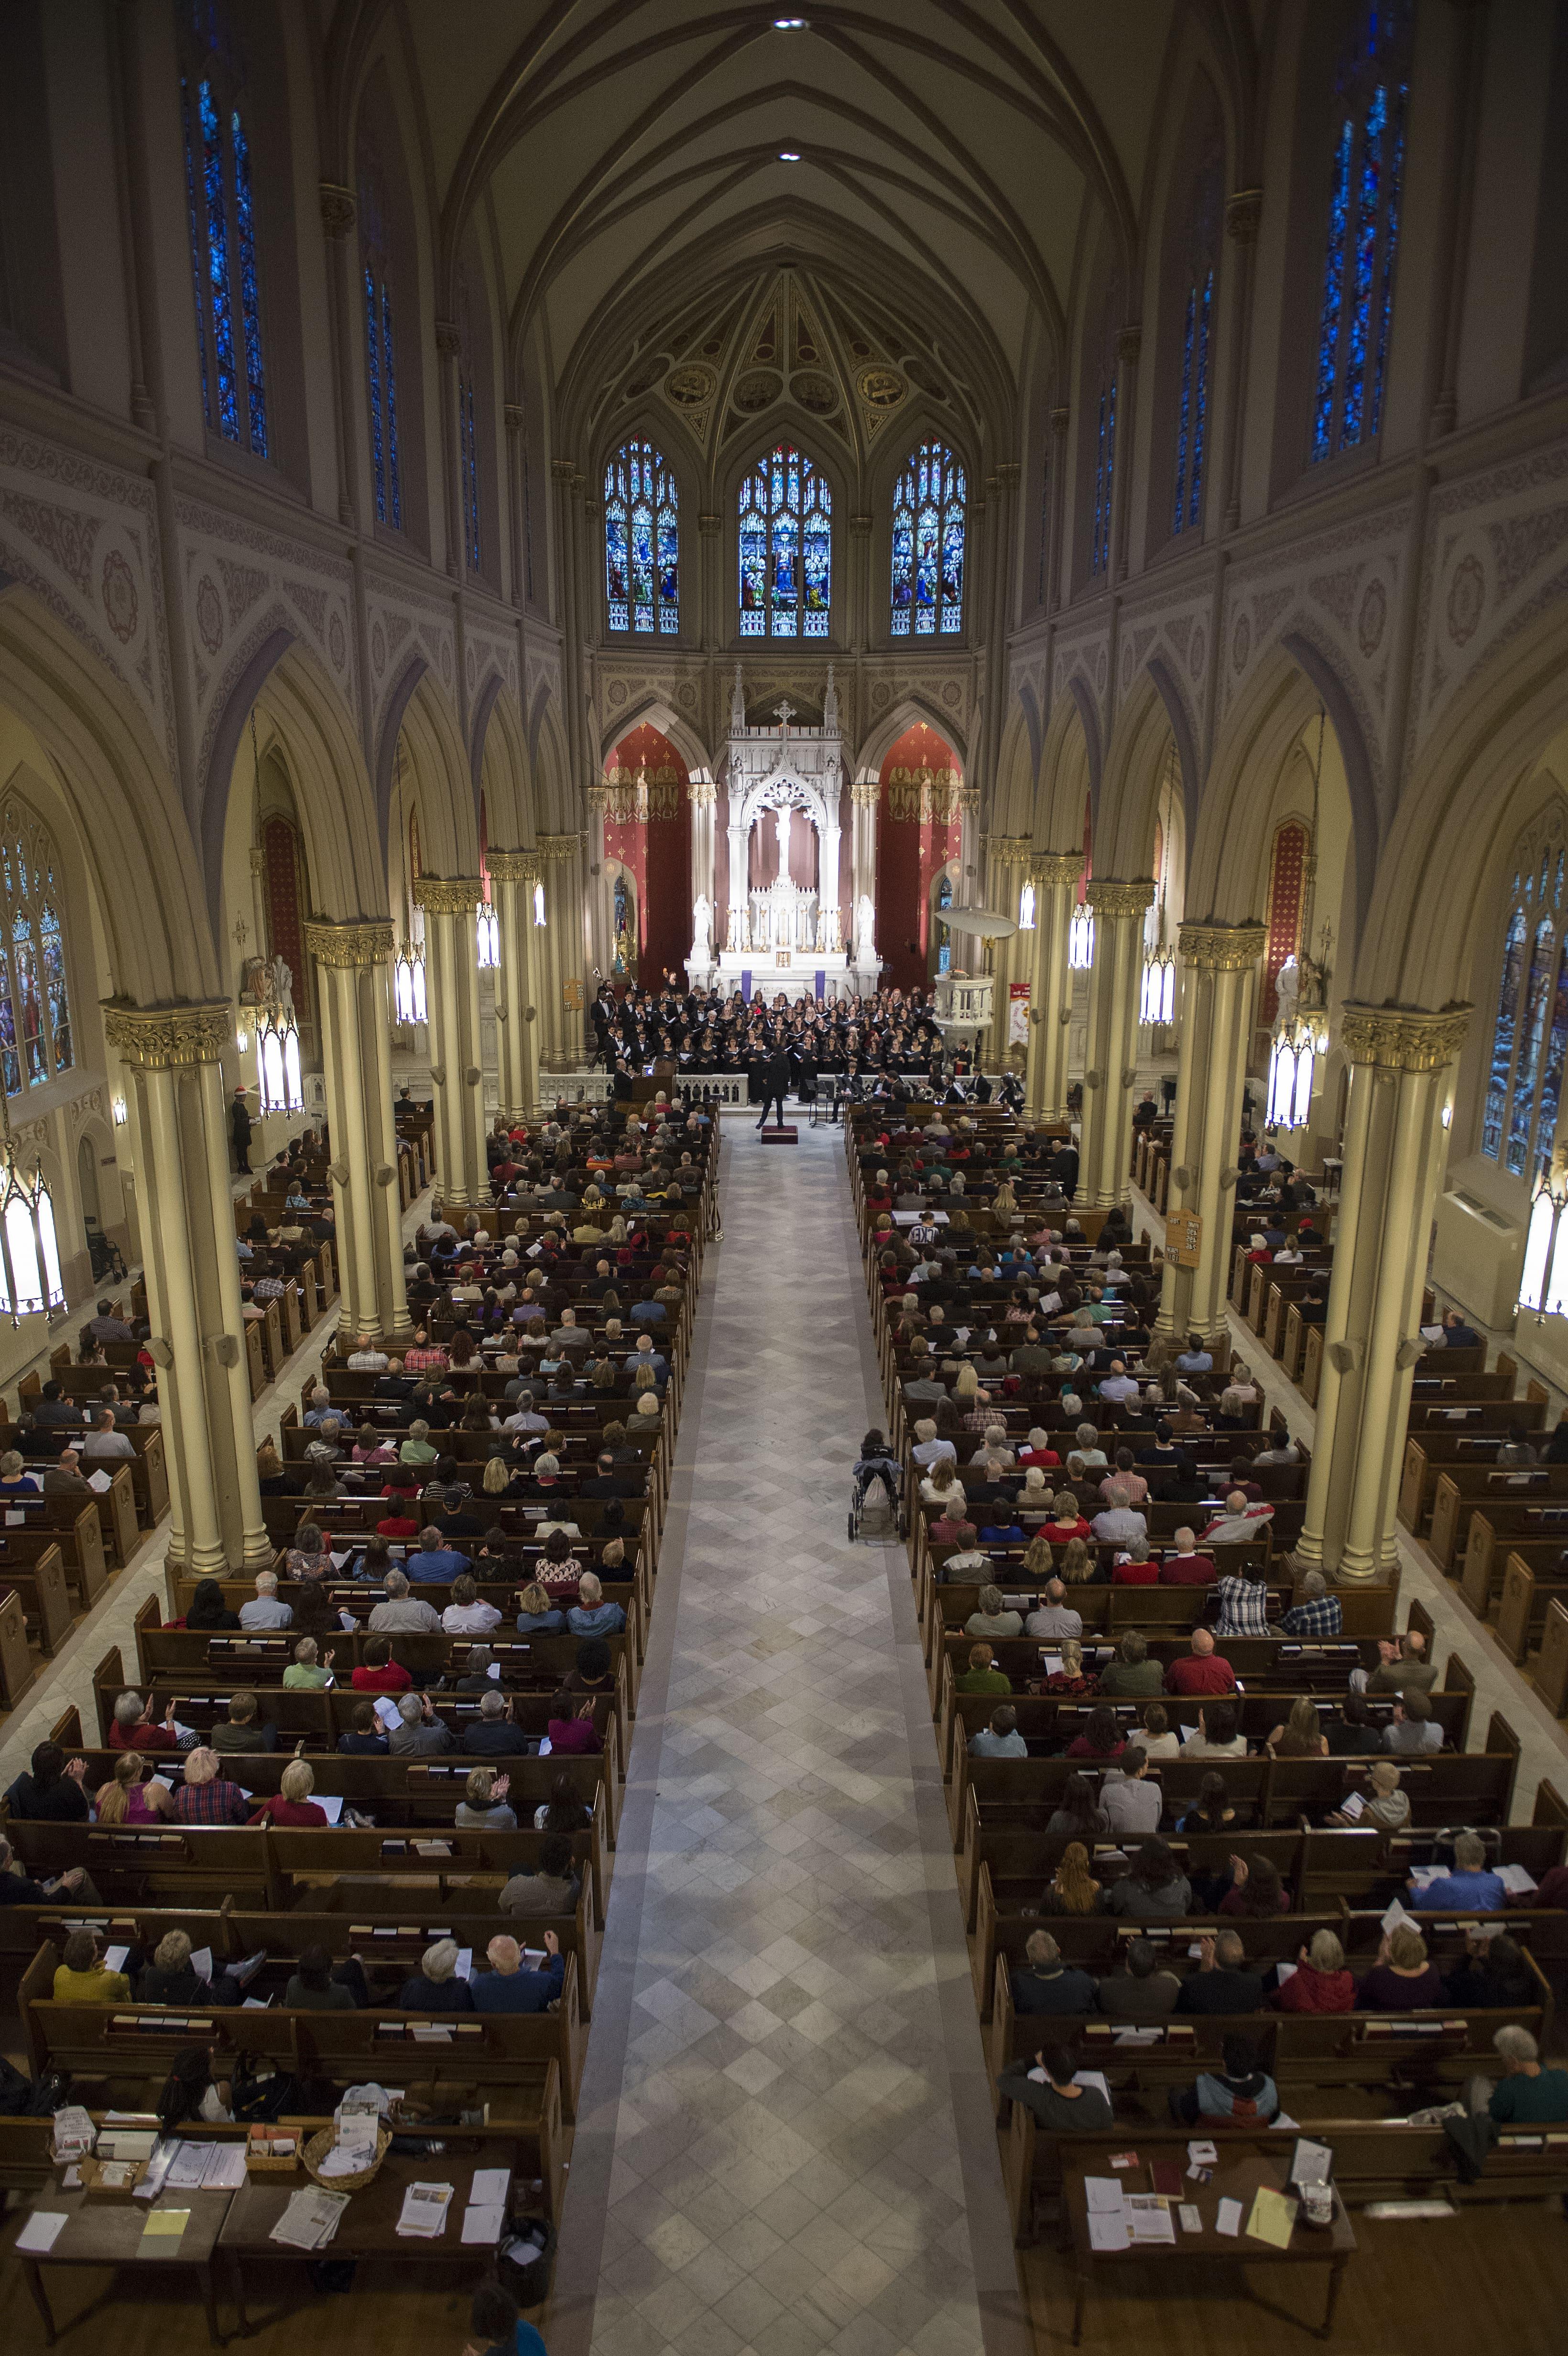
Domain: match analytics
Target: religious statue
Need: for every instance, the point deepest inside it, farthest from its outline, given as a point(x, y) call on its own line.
point(865, 917)
point(1287, 986)
point(702, 930)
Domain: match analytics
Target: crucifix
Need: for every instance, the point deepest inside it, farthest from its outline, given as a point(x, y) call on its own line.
point(784, 713)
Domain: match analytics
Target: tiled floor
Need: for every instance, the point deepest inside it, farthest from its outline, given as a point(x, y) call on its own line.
point(784, 2139)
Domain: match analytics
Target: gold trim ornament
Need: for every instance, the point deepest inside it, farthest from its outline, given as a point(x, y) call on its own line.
point(359, 940)
point(168, 1038)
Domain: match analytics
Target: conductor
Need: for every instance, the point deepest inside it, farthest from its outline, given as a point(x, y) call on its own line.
point(775, 1080)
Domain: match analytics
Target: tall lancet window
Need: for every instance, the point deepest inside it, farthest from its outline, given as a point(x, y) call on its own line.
point(1192, 420)
point(221, 216)
point(930, 509)
point(1105, 464)
point(1365, 186)
point(34, 1002)
point(381, 346)
point(641, 541)
point(785, 512)
point(1530, 1036)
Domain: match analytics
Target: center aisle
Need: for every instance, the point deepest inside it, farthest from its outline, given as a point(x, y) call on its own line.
point(784, 2137)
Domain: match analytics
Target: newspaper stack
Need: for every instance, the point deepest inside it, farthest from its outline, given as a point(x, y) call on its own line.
point(310, 2219)
point(424, 2211)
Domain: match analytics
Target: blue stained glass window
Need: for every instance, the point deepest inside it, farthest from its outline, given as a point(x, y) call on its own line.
point(1184, 414)
point(35, 999)
point(785, 515)
point(250, 300)
point(1552, 1079)
point(394, 462)
point(1365, 181)
point(1503, 1035)
point(469, 462)
point(930, 511)
point(1199, 404)
point(1531, 1035)
point(1104, 475)
point(220, 218)
point(373, 378)
point(641, 541)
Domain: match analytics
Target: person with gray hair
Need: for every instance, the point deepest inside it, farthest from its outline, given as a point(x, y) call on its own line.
point(1317, 1614)
point(106, 1438)
point(421, 1734)
point(402, 1613)
point(1043, 1983)
point(1526, 2095)
point(435, 1987)
point(494, 1733)
point(18, 1888)
point(482, 1807)
point(134, 1727)
point(591, 1616)
point(506, 1988)
point(1052, 1616)
point(1120, 1522)
point(264, 1610)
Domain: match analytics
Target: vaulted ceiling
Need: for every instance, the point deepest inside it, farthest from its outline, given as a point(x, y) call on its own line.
point(916, 173)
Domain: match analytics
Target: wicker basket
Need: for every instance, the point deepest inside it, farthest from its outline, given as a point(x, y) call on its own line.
point(317, 2150)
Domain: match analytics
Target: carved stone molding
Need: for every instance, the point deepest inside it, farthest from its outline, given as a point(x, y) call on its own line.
point(514, 416)
point(1243, 211)
point(709, 526)
point(1108, 897)
point(167, 1038)
point(515, 866)
point(457, 895)
point(258, 859)
point(448, 339)
point(861, 525)
point(360, 941)
point(558, 846)
point(1222, 948)
point(1404, 1038)
point(1059, 420)
point(865, 793)
point(1129, 343)
point(701, 792)
point(337, 208)
point(1011, 850)
point(1054, 867)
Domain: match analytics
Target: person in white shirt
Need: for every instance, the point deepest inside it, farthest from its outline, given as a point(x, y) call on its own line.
point(1158, 1737)
point(1131, 1803)
point(928, 1449)
point(1119, 1524)
point(467, 1615)
point(367, 1359)
point(104, 1440)
point(264, 1611)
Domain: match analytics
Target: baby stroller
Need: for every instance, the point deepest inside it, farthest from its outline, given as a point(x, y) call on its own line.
point(878, 1469)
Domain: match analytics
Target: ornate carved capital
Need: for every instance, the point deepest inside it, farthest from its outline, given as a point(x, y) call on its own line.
point(1060, 419)
point(558, 846)
point(1244, 210)
point(966, 801)
point(515, 866)
point(457, 895)
point(1009, 849)
point(167, 1038)
point(597, 796)
point(701, 792)
point(861, 525)
point(709, 526)
point(1109, 898)
point(366, 940)
point(563, 471)
point(258, 859)
point(514, 417)
point(1008, 471)
point(865, 793)
point(448, 339)
point(1222, 948)
point(1129, 343)
point(337, 208)
point(1404, 1038)
point(1056, 867)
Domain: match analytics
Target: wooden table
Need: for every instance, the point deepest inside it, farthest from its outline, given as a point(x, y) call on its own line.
point(1243, 2167)
point(367, 2227)
point(109, 2234)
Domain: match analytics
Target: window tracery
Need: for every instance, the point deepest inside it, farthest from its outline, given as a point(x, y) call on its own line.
point(35, 1043)
point(220, 214)
point(1372, 92)
point(1530, 1036)
point(785, 515)
point(642, 541)
point(930, 515)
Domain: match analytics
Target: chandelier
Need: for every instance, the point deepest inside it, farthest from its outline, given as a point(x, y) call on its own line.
point(489, 937)
point(1081, 938)
point(29, 1253)
point(278, 1065)
point(1156, 1001)
point(1025, 909)
point(1293, 1061)
point(408, 986)
point(1543, 1279)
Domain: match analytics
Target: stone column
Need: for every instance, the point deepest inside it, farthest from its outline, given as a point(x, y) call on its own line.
point(865, 800)
point(1402, 1063)
point(601, 898)
point(1054, 876)
point(1111, 1054)
point(561, 1049)
point(513, 875)
point(1007, 869)
point(452, 991)
point(172, 1059)
point(1218, 986)
point(354, 976)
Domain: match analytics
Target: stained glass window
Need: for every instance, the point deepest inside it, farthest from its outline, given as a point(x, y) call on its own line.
point(785, 513)
point(1192, 417)
point(642, 541)
point(35, 999)
point(930, 509)
point(1104, 472)
point(380, 359)
point(1530, 1036)
point(468, 455)
point(1366, 177)
point(221, 216)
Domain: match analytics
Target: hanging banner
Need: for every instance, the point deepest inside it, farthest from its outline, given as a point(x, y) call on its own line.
point(1018, 1015)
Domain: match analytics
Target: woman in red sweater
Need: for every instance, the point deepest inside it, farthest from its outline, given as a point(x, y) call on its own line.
point(379, 1673)
point(1320, 1982)
point(294, 1805)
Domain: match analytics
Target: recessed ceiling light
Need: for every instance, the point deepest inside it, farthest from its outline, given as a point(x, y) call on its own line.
point(789, 24)
point(789, 156)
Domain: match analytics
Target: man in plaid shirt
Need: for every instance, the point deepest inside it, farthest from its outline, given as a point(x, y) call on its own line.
point(1244, 1603)
point(1317, 1614)
point(423, 1357)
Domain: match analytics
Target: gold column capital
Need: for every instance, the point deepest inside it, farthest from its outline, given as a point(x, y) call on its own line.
point(165, 1038)
point(1243, 211)
point(1222, 948)
point(1405, 1038)
point(515, 866)
point(701, 792)
point(457, 895)
point(865, 793)
point(1009, 847)
point(1055, 867)
point(258, 859)
point(358, 940)
point(557, 846)
point(1108, 897)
